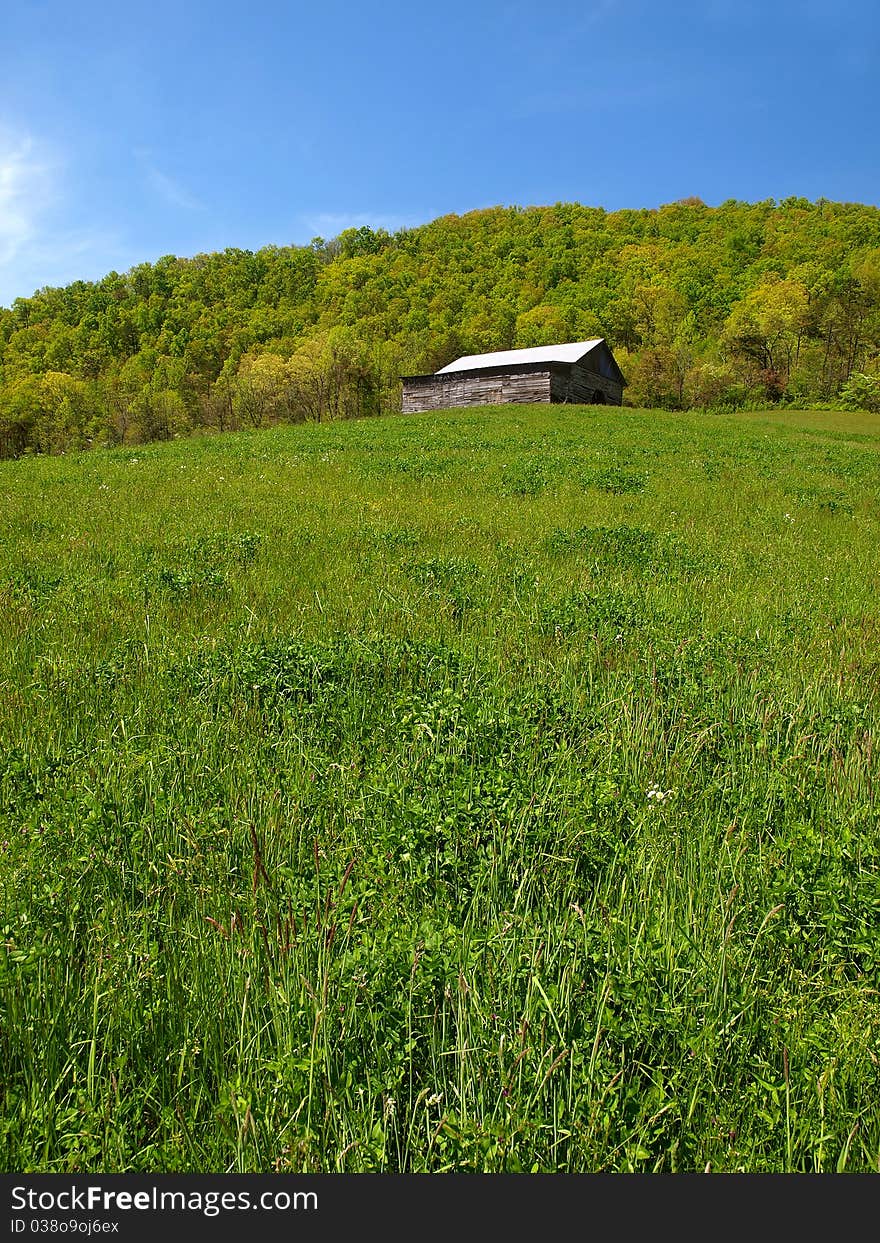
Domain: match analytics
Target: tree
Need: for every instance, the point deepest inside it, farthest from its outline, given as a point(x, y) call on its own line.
point(767, 327)
point(861, 392)
point(542, 325)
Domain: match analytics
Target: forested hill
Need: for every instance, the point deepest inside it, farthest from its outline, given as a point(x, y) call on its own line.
point(702, 306)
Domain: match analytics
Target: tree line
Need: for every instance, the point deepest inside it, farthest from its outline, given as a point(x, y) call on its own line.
point(704, 307)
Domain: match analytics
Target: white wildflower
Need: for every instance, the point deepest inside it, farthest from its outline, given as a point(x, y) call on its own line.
point(657, 795)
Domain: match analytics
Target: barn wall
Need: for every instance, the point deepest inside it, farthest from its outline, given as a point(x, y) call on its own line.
point(440, 392)
point(577, 384)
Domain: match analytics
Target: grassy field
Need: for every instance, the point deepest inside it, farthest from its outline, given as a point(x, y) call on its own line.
point(487, 791)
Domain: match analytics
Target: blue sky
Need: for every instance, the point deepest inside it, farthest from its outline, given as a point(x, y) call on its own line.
point(129, 132)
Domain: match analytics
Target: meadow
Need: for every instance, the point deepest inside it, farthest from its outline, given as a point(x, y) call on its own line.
point(492, 790)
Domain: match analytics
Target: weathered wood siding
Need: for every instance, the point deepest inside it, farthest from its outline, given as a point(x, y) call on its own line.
point(574, 383)
point(596, 378)
point(463, 388)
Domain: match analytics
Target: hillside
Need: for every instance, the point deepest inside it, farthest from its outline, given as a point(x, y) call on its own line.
point(492, 791)
point(703, 307)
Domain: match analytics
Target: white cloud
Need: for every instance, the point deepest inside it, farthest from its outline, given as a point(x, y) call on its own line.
point(40, 240)
point(171, 191)
point(165, 187)
point(26, 192)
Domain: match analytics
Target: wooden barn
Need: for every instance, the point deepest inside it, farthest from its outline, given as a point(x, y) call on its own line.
point(580, 371)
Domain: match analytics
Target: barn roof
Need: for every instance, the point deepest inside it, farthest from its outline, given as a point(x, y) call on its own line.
point(570, 352)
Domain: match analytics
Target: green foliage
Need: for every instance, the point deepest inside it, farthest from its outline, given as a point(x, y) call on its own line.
point(725, 307)
point(526, 477)
point(622, 547)
point(619, 481)
point(861, 392)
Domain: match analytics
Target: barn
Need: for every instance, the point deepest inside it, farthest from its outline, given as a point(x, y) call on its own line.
point(579, 371)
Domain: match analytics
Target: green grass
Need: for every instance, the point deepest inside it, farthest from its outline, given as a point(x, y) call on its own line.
point(487, 791)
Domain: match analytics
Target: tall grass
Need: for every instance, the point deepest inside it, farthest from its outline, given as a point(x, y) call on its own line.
point(488, 791)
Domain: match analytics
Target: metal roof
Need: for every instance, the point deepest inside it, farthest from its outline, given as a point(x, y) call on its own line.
point(571, 352)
